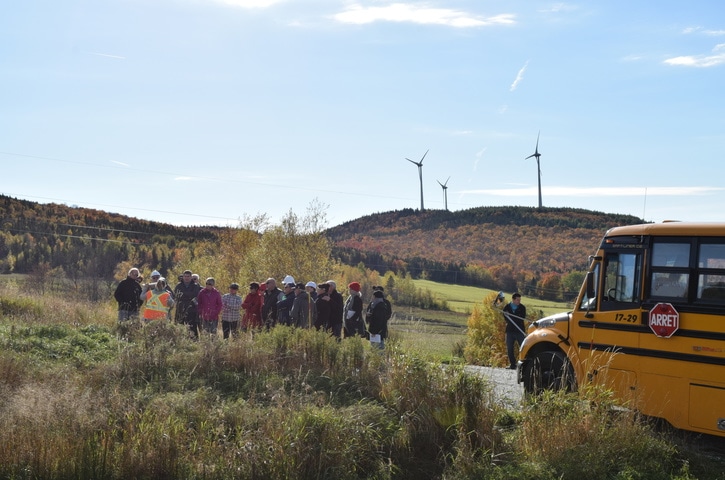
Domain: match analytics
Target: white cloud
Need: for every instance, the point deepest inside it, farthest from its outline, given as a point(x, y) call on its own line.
point(183, 179)
point(120, 163)
point(704, 31)
point(599, 191)
point(519, 76)
point(250, 3)
point(717, 58)
point(411, 13)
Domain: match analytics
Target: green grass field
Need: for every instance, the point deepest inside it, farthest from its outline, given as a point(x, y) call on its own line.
point(462, 298)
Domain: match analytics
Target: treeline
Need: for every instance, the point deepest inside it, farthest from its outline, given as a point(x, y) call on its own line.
point(399, 220)
point(539, 252)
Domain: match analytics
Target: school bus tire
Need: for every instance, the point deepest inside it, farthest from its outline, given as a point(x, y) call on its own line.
point(548, 370)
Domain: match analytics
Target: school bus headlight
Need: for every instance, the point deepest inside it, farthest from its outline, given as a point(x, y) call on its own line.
point(550, 321)
point(545, 323)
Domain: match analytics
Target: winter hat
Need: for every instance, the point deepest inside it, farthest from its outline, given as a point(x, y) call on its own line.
point(155, 273)
point(354, 286)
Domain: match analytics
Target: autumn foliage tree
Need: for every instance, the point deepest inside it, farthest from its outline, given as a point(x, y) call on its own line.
point(256, 250)
point(485, 344)
point(549, 287)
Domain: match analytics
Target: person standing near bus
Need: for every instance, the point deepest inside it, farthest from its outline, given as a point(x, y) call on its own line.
point(514, 313)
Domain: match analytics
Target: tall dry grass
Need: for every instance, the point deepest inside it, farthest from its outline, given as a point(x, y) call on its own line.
point(89, 399)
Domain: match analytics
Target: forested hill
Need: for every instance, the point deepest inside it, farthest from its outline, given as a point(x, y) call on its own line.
point(83, 240)
point(469, 246)
point(497, 247)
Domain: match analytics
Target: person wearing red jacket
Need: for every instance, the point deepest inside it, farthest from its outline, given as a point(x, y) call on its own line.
point(252, 306)
point(209, 306)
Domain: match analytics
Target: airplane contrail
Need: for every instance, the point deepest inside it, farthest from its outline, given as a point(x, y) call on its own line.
point(106, 55)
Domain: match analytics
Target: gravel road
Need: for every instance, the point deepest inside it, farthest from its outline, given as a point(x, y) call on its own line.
point(507, 390)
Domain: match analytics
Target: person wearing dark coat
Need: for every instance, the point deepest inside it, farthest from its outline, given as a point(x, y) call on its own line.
point(322, 322)
point(514, 313)
point(284, 305)
point(271, 296)
point(337, 308)
point(303, 312)
point(185, 294)
point(128, 296)
point(377, 320)
point(354, 323)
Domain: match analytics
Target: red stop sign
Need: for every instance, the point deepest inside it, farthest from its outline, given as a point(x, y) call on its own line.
point(664, 320)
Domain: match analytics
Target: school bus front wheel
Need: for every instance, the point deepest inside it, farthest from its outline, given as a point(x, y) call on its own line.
point(547, 370)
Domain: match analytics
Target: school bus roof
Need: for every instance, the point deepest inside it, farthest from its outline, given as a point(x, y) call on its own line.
point(671, 228)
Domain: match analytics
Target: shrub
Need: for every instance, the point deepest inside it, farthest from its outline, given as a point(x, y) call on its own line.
point(485, 343)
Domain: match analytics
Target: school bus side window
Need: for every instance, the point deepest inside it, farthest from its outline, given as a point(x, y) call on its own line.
point(711, 267)
point(621, 279)
point(670, 273)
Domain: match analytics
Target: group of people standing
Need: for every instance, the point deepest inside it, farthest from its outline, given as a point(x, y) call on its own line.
point(296, 304)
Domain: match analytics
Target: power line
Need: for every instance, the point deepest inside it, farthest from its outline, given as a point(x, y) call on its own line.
point(80, 237)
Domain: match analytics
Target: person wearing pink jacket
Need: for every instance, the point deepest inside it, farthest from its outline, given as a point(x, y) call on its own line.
point(209, 306)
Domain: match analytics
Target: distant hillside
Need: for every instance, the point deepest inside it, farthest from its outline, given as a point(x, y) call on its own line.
point(84, 241)
point(497, 247)
point(520, 242)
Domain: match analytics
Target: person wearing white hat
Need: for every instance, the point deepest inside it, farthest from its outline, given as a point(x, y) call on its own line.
point(311, 288)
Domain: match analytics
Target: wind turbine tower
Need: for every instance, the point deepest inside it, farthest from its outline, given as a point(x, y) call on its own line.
point(420, 174)
point(537, 155)
point(444, 186)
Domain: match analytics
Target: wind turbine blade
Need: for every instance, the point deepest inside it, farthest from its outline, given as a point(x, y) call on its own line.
point(426, 153)
point(446, 181)
point(536, 150)
point(411, 161)
point(532, 155)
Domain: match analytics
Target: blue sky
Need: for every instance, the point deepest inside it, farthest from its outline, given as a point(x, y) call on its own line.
point(197, 112)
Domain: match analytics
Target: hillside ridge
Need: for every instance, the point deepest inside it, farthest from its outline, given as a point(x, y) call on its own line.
point(507, 245)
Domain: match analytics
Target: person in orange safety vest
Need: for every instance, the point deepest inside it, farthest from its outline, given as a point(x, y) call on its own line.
point(158, 302)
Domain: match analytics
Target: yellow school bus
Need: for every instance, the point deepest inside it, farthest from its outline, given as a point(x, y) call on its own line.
point(649, 323)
